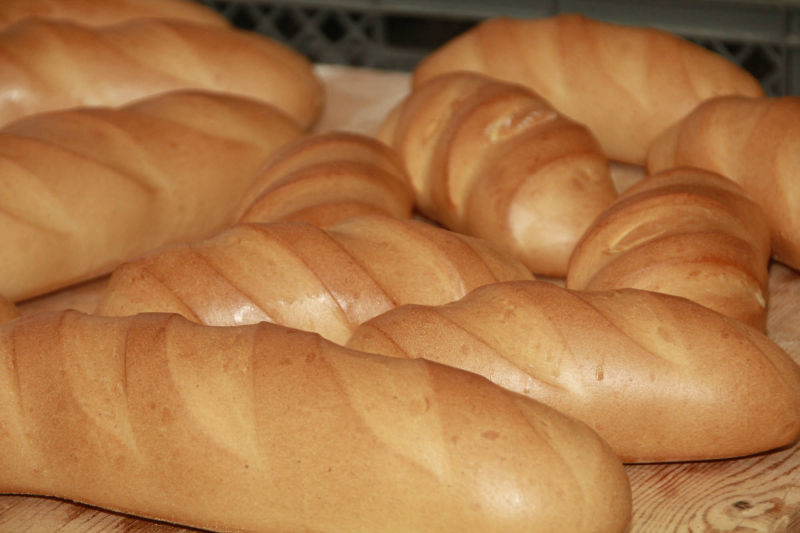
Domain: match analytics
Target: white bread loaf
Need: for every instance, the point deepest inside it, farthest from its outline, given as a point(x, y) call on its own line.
point(108, 12)
point(85, 189)
point(327, 281)
point(659, 377)
point(686, 232)
point(756, 143)
point(52, 64)
point(261, 428)
point(627, 84)
point(328, 177)
point(494, 160)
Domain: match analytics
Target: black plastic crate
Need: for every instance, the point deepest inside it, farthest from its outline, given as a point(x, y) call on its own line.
point(761, 36)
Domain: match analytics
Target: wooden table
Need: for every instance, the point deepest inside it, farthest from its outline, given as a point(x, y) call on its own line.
point(753, 494)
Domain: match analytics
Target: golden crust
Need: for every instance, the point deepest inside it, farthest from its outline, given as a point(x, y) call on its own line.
point(610, 77)
point(495, 160)
point(50, 64)
point(323, 280)
point(659, 377)
point(108, 12)
point(264, 428)
point(165, 169)
point(756, 143)
point(686, 232)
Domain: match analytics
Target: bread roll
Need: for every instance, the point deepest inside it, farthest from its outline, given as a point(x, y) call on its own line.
point(627, 84)
point(753, 141)
point(85, 189)
point(494, 160)
point(49, 64)
point(328, 177)
point(107, 12)
point(261, 428)
point(659, 377)
point(684, 231)
point(326, 281)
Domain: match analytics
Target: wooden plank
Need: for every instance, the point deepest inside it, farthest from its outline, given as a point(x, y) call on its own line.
point(27, 514)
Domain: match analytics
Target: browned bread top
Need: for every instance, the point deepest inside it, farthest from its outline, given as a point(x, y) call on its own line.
point(264, 428)
point(86, 189)
point(627, 84)
point(328, 177)
point(661, 378)
point(756, 143)
point(107, 12)
point(683, 231)
point(496, 160)
point(50, 64)
point(323, 280)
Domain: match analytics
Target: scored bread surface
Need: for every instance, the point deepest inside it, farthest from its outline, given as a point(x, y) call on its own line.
point(686, 232)
point(262, 428)
point(86, 189)
point(48, 64)
point(295, 274)
point(661, 378)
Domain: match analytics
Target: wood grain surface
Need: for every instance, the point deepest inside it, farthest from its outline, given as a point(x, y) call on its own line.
point(753, 494)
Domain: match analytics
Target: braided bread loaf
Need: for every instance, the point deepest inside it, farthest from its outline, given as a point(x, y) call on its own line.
point(494, 160)
point(684, 231)
point(659, 377)
point(85, 189)
point(260, 428)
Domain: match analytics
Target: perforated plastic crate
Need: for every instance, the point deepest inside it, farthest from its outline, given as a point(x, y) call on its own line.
point(762, 36)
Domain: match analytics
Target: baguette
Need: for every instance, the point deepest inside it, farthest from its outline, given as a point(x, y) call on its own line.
point(659, 377)
point(627, 84)
point(325, 178)
point(684, 231)
point(260, 428)
point(298, 275)
point(52, 64)
point(108, 12)
point(756, 143)
point(83, 190)
point(494, 160)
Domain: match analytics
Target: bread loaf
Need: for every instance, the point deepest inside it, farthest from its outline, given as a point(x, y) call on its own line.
point(659, 377)
point(753, 141)
point(261, 428)
point(627, 84)
point(684, 231)
point(494, 160)
point(83, 190)
point(108, 12)
point(325, 178)
point(8, 311)
point(326, 281)
point(49, 64)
